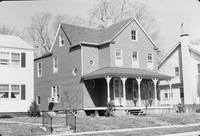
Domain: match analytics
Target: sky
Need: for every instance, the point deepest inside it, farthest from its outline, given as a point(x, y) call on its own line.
point(169, 14)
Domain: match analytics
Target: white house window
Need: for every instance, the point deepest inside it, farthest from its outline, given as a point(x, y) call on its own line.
point(150, 64)
point(135, 59)
point(55, 65)
point(198, 68)
point(15, 59)
point(61, 40)
point(39, 69)
point(176, 71)
point(15, 91)
point(134, 35)
point(38, 100)
point(4, 58)
point(118, 57)
point(55, 93)
point(4, 91)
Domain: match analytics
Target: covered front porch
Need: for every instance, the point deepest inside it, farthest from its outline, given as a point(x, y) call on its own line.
point(130, 88)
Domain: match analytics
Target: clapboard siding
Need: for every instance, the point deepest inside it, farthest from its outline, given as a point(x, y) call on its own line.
point(143, 45)
point(90, 54)
point(70, 86)
point(104, 56)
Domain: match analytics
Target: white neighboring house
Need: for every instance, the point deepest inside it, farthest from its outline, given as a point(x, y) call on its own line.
point(183, 63)
point(16, 75)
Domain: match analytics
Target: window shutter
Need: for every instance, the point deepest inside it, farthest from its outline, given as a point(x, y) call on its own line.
point(23, 60)
point(23, 92)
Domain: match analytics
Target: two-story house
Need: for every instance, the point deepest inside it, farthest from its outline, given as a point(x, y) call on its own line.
point(86, 68)
point(183, 63)
point(16, 76)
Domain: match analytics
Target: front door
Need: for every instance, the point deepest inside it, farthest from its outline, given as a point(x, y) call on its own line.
point(118, 93)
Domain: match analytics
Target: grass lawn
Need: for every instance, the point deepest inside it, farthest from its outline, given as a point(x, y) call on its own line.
point(105, 123)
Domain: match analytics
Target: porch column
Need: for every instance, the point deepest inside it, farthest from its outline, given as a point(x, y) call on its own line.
point(124, 88)
point(155, 91)
point(108, 78)
point(170, 91)
point(139, 94)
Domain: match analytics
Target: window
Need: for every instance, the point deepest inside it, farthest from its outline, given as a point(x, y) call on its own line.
point(135, 59)
point(74, 71)
point(198, 68)
point(15, 91)
point(39, 69)
point(167, 93)
point(12, 91)
point(150, 64)
point(55, 65)
point(4, 91)
point(118, 57)
point(134, 35)
point(15, 59)
point(4, 58)
point(55, 93)
point(176, 71)
point(38, 100)
point(61, 40)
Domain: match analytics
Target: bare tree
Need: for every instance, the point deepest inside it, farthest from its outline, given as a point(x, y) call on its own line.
point(8, 30)
point(38, 32)
point(108, 12)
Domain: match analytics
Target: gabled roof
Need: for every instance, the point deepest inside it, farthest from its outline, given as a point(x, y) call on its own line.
point(129, 72)
point(9, 41)
point(77, 35)
point(194, 48)
point(168, 55)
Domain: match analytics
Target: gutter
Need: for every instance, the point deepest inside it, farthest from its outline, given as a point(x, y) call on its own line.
point(88, 43)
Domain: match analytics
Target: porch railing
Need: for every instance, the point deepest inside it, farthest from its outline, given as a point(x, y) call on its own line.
point(71, 120)
point(47, 121)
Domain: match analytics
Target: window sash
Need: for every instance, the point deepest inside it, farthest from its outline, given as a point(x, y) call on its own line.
point(135, 55)
point(118, 54)
point(9, 91)
point(134, 35)
point(56, 92)
point(39, 69)
point(176, 71)
point(150, 57)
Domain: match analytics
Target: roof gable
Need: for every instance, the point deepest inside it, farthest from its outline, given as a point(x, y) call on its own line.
point(168, 55)
point(9, 41)
point(78, 34)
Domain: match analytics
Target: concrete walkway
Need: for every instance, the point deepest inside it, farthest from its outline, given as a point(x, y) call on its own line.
point(134, 129)
point(196, 133)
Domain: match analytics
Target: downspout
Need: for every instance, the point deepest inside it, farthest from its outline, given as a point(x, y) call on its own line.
point(81, 59)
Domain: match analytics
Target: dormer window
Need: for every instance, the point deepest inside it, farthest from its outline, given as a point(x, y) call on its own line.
point(61, 40)
point(134, 35)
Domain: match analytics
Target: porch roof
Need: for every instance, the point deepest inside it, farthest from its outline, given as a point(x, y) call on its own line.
point(127, 72)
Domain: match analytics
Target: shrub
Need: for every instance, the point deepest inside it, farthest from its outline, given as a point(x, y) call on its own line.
point(198, 110)
point(180, 108)
point(5, 116)
point(110, 108)
point(34, 110)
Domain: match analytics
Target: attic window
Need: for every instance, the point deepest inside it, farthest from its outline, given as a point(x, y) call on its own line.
point(134, 35)
point(61, 40)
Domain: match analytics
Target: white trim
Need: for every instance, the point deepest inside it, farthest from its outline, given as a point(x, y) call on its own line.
point(55, 72)
point(138, 60)
point(150, 67)
point(37, 100)
point(81, 60)
point(55, 38)
point(121, 63)
point(136, 35)
point(56, 87)
point(167, 55)
point(38, 69)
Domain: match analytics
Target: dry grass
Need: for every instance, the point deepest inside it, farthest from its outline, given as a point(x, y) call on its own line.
point(107, 123)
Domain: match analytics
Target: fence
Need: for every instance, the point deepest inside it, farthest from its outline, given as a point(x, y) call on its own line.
point(47, 121)
point(71, 120)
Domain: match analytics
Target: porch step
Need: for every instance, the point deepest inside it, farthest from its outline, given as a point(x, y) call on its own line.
point(136, 112)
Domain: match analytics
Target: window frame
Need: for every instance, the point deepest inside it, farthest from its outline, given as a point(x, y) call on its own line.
point(198, 68)
point(136, 65)
point(5, 91)
point(177, 71)
point(61, 40)
point(11, 59)
point(134, 35)
point(38, 101)
point(119, 59)
point(10, 91)
point(55, 69)
point(150, 63)
point(19, 91)
point(39, 70)
point(58, 99)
